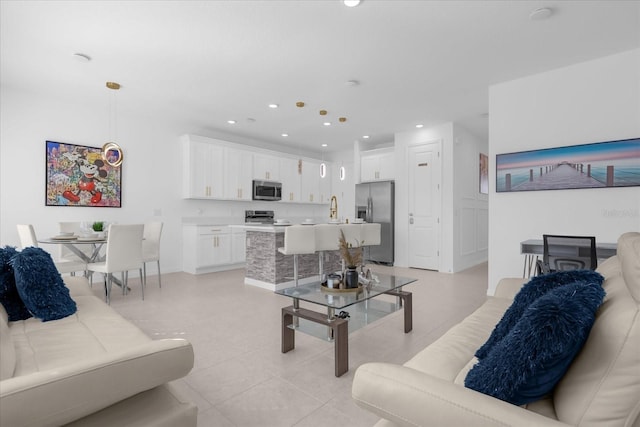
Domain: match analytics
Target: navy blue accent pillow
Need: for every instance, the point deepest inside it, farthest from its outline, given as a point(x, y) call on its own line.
point(530, 360)
point(40, 285)
point(9, 297)
point(531, 291)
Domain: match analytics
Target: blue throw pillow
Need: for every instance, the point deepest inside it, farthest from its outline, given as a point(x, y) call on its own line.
point(9, 297)
point(530, 360)
point(534, 289)
point(40, 285)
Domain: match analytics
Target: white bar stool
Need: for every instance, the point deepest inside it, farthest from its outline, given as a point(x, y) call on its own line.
point(298, 240)
point(327, 239)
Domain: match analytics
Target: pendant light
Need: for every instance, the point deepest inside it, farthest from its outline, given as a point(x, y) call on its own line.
point(323, 166)
point(111, 152)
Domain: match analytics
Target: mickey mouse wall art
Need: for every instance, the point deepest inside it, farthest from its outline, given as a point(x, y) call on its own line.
point(78, 175)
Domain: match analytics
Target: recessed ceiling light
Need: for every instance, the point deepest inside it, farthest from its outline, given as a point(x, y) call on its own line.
point(365, 136)
point(273, 105)
point(351, 3)
point(82, 57)
point(419, 126)
point(327, 123)
point(352, 83)
point(231, 122)
point(285, 135)
point(324, 145)
point(541, 14)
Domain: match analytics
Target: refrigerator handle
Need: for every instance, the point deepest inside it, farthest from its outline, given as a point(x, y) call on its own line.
point(369, 209)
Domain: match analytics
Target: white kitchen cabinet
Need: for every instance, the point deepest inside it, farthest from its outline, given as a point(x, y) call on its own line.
point(325, 185)
point(266, 167)
point(310, 182)
point(377, 165)
point(238, 174)
point(238, 246)
point(203, 168)
point(208, 248)
point(290, 178)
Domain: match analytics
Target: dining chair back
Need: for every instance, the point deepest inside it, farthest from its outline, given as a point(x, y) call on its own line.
point(27, 234)
point(151, 247)
point(124, 253)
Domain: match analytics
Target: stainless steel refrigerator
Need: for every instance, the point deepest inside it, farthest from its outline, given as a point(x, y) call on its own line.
point(375, 203)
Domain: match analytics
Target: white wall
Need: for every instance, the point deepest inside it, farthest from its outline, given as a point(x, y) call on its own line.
point(463, 222)
point(590, 102)
point(470, 207)
point(151, 176)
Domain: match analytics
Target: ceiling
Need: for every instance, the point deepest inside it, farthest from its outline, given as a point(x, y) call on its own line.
point(202, 63)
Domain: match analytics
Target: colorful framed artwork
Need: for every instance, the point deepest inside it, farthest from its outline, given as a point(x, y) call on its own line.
point(78, 175)
point(598, 165)
point(484, 173)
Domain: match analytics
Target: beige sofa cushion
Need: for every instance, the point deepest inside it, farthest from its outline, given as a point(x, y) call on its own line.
point(7, 350)
point(602, 386)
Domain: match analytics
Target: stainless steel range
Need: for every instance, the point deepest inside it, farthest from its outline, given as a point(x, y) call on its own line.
point(258, 217)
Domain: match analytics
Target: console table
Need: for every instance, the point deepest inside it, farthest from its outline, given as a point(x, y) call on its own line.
point(534, 248)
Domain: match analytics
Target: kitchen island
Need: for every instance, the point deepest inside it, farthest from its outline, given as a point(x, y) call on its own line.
point(267, 268)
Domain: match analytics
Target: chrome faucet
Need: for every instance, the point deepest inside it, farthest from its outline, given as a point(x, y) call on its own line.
point(333, 209)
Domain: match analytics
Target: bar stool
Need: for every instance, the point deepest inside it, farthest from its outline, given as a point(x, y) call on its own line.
point(327, 239)
point(298, 240)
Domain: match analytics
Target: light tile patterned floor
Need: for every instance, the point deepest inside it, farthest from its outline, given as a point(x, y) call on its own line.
point(240, 377)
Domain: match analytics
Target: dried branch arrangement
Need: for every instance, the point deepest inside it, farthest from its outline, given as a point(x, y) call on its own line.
point(351, 256)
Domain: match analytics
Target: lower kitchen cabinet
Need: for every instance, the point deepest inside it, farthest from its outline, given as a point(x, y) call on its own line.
point(209, 248)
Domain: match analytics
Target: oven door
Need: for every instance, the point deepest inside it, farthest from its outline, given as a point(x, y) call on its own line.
point(267, 190)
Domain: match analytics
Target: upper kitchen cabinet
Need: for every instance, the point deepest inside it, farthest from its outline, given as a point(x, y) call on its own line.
point(313, 187)
point(266, 167)
point(290, 178)
point(203, 168)
point(377, 165)
point(238, 174)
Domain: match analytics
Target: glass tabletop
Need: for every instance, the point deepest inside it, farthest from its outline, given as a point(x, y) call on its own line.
point(317, 294)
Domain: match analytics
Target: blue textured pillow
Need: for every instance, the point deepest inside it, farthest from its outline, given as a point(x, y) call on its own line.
point(40, 285)
point(530, 360)
point(9, 297)
point(534, 289)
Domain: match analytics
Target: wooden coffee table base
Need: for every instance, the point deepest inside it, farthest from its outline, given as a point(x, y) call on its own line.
point(339, 326)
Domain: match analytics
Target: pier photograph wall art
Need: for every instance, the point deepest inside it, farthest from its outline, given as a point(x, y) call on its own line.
point(597, 165)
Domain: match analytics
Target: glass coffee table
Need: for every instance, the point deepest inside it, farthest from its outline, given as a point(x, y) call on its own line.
point(363, 309)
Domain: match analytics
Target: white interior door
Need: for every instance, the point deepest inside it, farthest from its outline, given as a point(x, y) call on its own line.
point(424, 206)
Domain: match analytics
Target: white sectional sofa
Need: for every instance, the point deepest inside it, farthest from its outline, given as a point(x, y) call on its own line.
point(93, 368)
point(601, 387)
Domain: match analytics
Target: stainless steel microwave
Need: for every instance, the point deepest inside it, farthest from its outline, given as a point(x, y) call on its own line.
point(267, 190)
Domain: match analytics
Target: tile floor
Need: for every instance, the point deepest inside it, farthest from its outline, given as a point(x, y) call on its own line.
point(240, 377)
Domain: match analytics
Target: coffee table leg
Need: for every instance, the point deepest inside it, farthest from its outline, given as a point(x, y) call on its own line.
point(341, 343)
point(288, 334)
point(408, 312)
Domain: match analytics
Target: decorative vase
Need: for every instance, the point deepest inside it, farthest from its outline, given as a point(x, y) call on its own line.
point(351, 278)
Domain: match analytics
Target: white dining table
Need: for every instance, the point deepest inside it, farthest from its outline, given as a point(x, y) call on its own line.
point(74, 244)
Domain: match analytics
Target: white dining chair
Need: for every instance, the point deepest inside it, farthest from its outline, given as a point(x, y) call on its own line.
point(27, 235)
point(151, 247)
point(124, 253)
